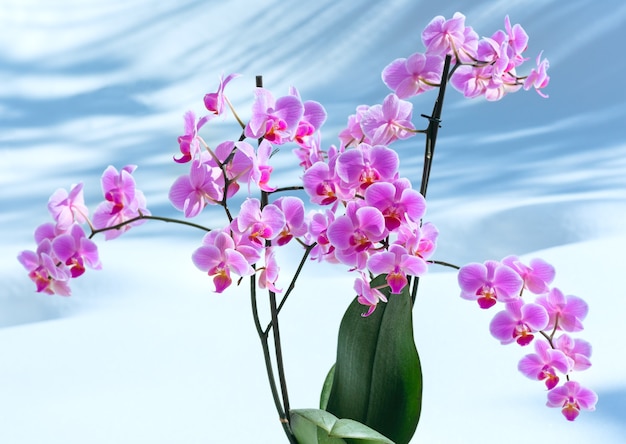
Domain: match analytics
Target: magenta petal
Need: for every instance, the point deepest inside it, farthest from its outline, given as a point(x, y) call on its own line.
point(64, 247)
point(206, 257)
point(340, 231)
point(382, 262)
point(530, 366)
point(535, 316)
point(471, 277)
point(237, 262)
point(502, 327)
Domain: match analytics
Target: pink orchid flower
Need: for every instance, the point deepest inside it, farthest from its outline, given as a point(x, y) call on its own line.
point(397, 201)
point(388, 122)
point(293, 209)
point(259, 225)
point(367, 164)
point(190, 142)
point(571, 397)
point(48, 276)
point(269, 273)
point(450, 36)
point(317, 232)
point(215, 102)
point(412, 76)
point(76, 250)
point(567, 312)
point(354, 233)
point(322, 184)
point(274, 120)
point(488, 283)
point(190, 193)
point(517, 40)
point(544, 363)
point(67, 208)
point(353, 133)
point(366, 295)
point(219, 258)
point(537, 276)
point(397, 263)
point(313, 117)
point(122, 201)
point(578, 350)
point(419, 240)
point(259, 170)
point(518, 322)
point(538, 78)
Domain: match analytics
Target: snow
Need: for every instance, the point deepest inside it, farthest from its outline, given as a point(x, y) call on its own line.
point(145, 352)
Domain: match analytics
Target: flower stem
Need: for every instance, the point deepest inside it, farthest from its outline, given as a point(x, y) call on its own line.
point(431, 138)
point(263, 337)
point(143, 217)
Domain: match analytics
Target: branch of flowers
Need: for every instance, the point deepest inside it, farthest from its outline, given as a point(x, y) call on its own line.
point(263, 336)
point(143, 217)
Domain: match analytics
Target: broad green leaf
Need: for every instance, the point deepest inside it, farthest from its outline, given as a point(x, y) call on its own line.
point(314, 426)
point(378, 378)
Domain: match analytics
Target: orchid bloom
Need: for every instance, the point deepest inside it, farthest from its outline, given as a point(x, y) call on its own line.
point(450, 36)
point(488, 283)
point(538, 78)
point(353, 133)
point(571, 397)
point(259, 225)
point(397, 263)
point(274, 120)
point(412, 76)
point(67, 208)
point(219, 258)
point(537, 276)
point(295, 226)
point(388, 122)
point(397, 201)
point(518, 322)
point(367, 164)
point(43, 270)
point(122, 201)
point(214, 102)
point(354, 233)
point(544, 363)
point(566, 312)
point(189, 142)
point(318, 232)
point(76, 250)
point(269, 273)
point(191, 192)
point(578, 350)
point(366, 295)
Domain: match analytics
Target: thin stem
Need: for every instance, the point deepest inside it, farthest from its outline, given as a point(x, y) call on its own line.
point(292, 284)
point(429, 151)
point(143, 217)
point(268, 363)
point(445, 264)
point(433, 127)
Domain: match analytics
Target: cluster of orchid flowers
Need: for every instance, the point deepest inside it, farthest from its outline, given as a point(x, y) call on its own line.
point(532, 307)
point(371, 218)
point(63, 249)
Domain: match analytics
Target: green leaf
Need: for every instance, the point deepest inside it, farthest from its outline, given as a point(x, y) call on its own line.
point(378, 379)
point(328, 385)
point(314, 426)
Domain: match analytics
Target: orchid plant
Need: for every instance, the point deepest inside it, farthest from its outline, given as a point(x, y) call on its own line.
point(366, 217)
